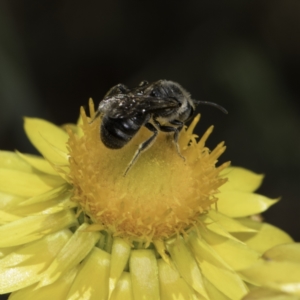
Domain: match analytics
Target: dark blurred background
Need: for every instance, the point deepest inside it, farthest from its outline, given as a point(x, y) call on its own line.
point(244, 55)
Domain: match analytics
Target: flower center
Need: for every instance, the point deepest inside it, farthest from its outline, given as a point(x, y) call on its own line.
point(160, 196)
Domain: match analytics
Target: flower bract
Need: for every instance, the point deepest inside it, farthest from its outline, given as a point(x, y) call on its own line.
point(277, 276)
point(73, 227)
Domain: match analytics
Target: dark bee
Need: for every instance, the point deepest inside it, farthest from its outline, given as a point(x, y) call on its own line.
point(160, 106)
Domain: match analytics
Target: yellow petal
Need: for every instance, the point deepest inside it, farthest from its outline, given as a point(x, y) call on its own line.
point(288, 252)
point(48, 207)
point(144, 275)
point(23, 267)
point(32, 228)
point(273, 271)
point(77, 248)
point(123, 289)
point(91, 282)
point(10, 160)
point(216, 270)
point(49, 139)
point(290, 287)
point(7, 217)
point(38, 163)
point(106, 240)
point(48, 203)
point(229, 224)
point(186, 265)
point(162, 250)
point(267, 235)
point(49, 195)
point(172, 286)
point(240, 179)
point(237, 204)
point(57, 290)
point(9, 201)
point(8, 250)
point(119, 258)
point(26, 184)
point(216, 227)
point(236, 254)
point(268, 294)
point(213, 292)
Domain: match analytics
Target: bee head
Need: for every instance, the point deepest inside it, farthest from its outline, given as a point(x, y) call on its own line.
point(168, 89)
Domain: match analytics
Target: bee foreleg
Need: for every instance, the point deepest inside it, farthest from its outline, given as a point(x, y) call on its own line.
point(97, 114)
point(143, 146)
point(176, 129)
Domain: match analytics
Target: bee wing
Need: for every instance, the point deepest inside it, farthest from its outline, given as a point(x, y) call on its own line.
point(126, 106)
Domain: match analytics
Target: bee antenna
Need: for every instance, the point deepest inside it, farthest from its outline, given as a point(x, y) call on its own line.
point(221, 108)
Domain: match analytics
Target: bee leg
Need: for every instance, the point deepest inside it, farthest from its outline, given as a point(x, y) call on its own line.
point(97, 114)
point(122, 88)
point(179, 125)
point(144, 83)
point(176, 129)
point(143, 146)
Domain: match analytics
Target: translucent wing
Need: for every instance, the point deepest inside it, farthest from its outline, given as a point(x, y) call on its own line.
point(129, 105)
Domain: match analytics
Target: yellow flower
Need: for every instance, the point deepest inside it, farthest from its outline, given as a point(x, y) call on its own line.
point(278, 274)
point(74, 228)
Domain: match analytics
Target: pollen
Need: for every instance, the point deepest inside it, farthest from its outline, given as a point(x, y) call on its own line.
point(161, 196)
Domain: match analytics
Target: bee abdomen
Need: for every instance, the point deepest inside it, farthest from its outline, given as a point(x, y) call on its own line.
point(116, 133)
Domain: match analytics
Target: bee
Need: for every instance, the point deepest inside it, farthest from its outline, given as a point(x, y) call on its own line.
point(159, 106)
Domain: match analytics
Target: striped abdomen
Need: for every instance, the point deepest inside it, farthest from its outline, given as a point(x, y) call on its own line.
point(116, 133)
